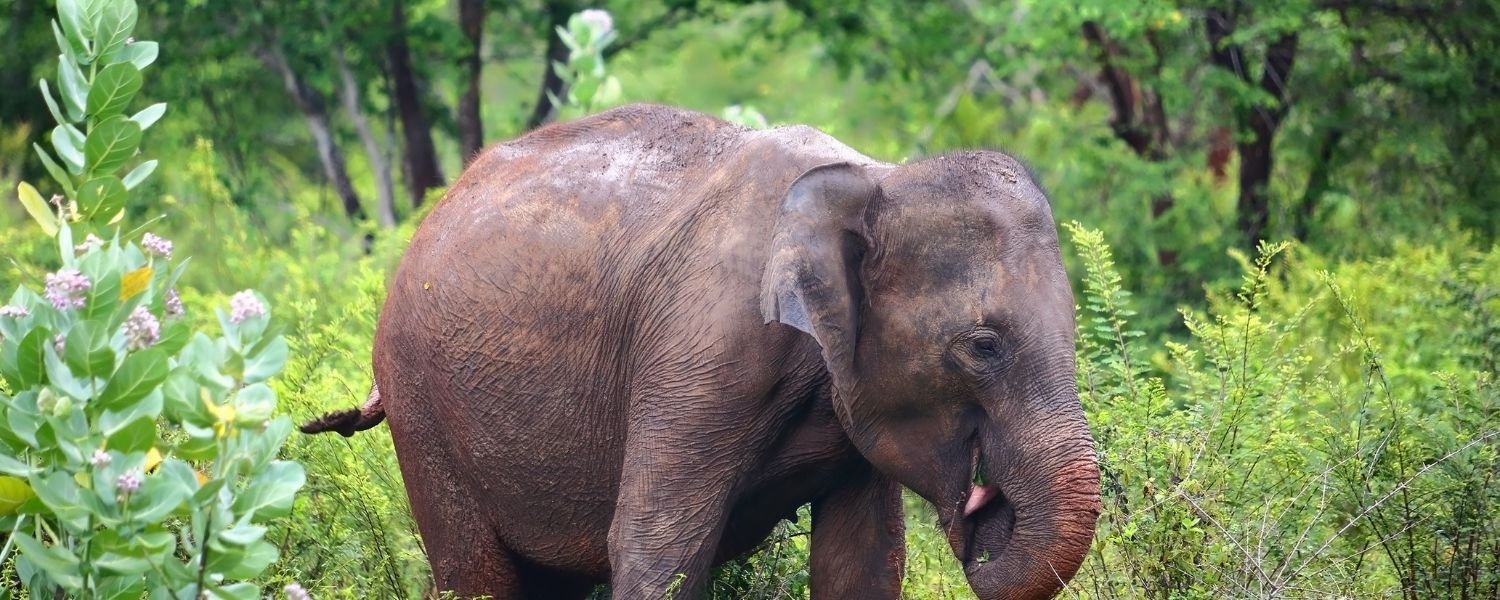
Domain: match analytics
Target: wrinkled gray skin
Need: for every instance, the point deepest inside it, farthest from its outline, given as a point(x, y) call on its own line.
point(622, 348)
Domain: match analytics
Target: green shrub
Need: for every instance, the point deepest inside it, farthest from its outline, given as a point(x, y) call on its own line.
point(138, 452)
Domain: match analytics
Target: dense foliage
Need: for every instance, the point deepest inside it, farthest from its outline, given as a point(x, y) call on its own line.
point(1309, 418)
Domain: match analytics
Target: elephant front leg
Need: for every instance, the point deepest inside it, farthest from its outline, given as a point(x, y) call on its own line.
point(668, 520)
point(858, 539)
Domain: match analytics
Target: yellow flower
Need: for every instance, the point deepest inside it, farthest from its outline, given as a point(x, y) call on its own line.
point(153, 460)
point(223, 415)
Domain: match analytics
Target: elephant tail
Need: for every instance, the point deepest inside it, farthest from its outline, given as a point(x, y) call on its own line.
point(347, 422)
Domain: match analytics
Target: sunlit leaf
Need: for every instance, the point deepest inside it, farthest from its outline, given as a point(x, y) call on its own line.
point(37, 208)
point(13, 492)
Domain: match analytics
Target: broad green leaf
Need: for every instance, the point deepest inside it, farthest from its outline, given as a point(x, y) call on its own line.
point(140, 373)
point(129, 585)
point(116, 21)
point(101, 196)
point(256, 558)
point(174, 336)
point(59, 565)
point(112, 90)
point(61, 494)
point(149, 115)
point(269, 494)
point(63, 378)
point(154, 542)
point(242, 535)
point(14, 466)
point(58, 174)
point(13, 492)
point(110, 143)
point(89, 18)
point(57, 113)
point(87, 350)
point(69, 147)
point(23, 420)
point(141, 54)
point(254, 404)
point(73, 46)
point(114, 418)
point(28, 370)
point(75, 89)
point(136, 436)
point(241, 591)
point(37, 208)
point(163, 493)
point(70, 12)
point(122, 564)
point(266, 363)
point(104, 297)
point(139, 173)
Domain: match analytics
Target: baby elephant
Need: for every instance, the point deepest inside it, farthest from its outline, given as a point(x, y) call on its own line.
point(621, 349)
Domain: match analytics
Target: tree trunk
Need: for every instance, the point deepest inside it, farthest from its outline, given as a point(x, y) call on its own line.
point(1317, 182)
point(385, 202)
point(1260, 119)
point(312, 106)
point(420, 158)
point(1138, 117)
point(470, 126)
point(552, 84)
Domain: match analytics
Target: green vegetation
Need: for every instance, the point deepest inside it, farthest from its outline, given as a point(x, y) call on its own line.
point(1279, 216)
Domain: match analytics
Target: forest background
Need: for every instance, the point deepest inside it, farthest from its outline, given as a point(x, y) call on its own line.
point(1280, 216)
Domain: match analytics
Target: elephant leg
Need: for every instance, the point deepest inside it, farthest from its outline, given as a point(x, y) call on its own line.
point(858, 543)
point(669, 516)
point(466, 555)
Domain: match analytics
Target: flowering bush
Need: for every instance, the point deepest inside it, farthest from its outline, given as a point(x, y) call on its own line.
point(136, 455)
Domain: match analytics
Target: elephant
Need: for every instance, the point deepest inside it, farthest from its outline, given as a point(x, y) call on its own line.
point(621, 349)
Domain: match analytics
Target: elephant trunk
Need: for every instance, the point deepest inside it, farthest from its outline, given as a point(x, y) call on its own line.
point(1031, 524)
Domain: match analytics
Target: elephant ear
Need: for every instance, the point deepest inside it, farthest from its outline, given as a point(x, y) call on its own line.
point(812, 281)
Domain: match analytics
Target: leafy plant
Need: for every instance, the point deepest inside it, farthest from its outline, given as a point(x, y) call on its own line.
point(139, 455)
point(587, 84)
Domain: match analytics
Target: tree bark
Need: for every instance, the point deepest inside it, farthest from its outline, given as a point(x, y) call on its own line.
point(313, 108)
point(1138, 118)
point(420, 157)
point(1317, 182)
point(1260, 119)
point(470, 126)
point(385, 202)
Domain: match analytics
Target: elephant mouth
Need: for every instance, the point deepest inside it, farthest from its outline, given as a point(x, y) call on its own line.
point(982, 530)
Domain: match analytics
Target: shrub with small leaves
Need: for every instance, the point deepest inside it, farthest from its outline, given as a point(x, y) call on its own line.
point(588, 86)
point(137, 456)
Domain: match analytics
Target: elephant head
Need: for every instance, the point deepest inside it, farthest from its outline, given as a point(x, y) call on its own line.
point(937, 295)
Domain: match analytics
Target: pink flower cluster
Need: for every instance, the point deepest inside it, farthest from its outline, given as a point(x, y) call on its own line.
point(67, 289)
point(141, 329)
point(294, 591)
point(174, 304)
point(244, 306)
point(157, 245)
point(129, 482)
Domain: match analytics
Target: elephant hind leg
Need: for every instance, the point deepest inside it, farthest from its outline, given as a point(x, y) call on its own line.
point(466, 554)
point(467, 557)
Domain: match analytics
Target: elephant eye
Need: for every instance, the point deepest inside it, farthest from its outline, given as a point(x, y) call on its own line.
point(986, 346)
